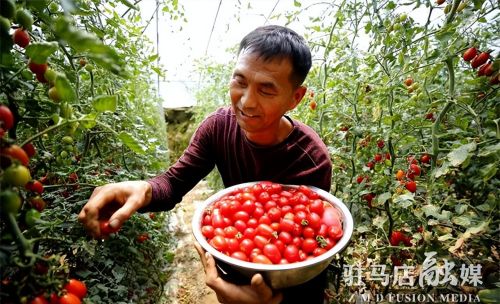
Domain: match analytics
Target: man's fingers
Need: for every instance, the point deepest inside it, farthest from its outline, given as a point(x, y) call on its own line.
point(261, 287)
point(201, 253)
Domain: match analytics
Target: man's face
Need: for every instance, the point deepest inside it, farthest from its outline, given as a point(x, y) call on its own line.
point(261, 93)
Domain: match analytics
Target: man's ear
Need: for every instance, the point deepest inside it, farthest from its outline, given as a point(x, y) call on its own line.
point(297, 96)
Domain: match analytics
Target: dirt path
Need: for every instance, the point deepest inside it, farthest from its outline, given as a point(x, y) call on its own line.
point(187, 284)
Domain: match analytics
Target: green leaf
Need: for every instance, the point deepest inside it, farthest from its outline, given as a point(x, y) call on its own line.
point(105, 103)
point(460, 154)
point(382, 198)
point(489, 171)
point(379, 221)
point(64, 88)
point(297, 3)
point(463, 221)
point(434, 211)
point(88, 121)
point(489, 296)
point(443, 170)
point(362, 229)
point(132, 143)
point(40, 51)
point(128, 4)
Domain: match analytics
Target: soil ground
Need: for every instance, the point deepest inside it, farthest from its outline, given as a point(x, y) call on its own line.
point(187, 283)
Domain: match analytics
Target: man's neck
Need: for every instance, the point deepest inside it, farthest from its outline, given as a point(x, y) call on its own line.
point(267, 138)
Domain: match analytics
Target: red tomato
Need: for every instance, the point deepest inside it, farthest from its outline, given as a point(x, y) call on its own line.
point(287, 225)
point(265, 220)
point(219, 243)
point(106, 229)
point(232, 245)
point(240, 256)
point(285, 237)
point(411, 186)
point(37, 68)
point(318, 251)
point(141, 238)
point(308, 232)
point(39, 300)
point(301, 218)
point(6, 117)
point(297, 229)
point(313, 105)
point(415, 169)
point(272, 252)
point(316, 206)
point(248, 206)
point(270, 204)
point(480, 60)
point(378, 157)
point(425, 158)
point(335, 232)
point(308, 245)
point(274, 214)
point(259, 211)
point(265, 231)
point(299, 207)
point(252, 223)
point(260, 241)
point(286, 209)
point(35, 186)
point(16, 152)
point(322, 230)
point(380, 143)
point(400, 175)
point(249, 233)
point(21, 38)
point(291, 253)
point(313, 220)
point(69, 298)
point(240, 225)
point(207, 231)
point(230, 231)
point(76, 287)
point(470, 53)
point(408, 81)
point(218, 220)
point(219, 231)
point(247, 245)
point(261, 259)
point(370, 165)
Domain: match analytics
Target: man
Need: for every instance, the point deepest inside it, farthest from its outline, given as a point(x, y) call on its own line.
point(252, 140)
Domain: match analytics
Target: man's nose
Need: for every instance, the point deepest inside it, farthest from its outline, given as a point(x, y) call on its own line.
point(249, 99)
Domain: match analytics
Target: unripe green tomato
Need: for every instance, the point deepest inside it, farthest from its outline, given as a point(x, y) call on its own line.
point(461, 6)
point(66, 110)
point(53, 7)
point(447, 9)
point(397, 26)
point(403, 17)
point(24, 18)
point(55, 118)
point(8, 8)
point(17, 175)
point(54, 94)
point(27, 75)
point(64, 154)
point(4, 25)
point(10, 202)
point(69, 148)
point(31, 217)
point(50, 75)
point(67, 139)
point(89, 67)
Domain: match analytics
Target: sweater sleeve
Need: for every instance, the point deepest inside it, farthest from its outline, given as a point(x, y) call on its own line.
point(194, 164)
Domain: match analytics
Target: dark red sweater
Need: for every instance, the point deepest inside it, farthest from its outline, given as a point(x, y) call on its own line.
point(301, 159)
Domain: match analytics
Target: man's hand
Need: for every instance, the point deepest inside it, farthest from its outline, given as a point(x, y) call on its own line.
point(116, 202)
point(227, 293)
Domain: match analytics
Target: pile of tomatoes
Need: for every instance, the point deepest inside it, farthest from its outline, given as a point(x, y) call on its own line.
point(269, 223)
point(482, 61)
point(73, 293)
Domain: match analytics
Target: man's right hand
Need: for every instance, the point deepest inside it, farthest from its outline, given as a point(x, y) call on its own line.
point(116, 202)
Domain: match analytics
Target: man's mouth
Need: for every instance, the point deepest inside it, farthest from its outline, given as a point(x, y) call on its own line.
point(247, 114)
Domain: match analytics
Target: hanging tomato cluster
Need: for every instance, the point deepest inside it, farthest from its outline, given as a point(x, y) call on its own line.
point(482, 61)
point(269, 224)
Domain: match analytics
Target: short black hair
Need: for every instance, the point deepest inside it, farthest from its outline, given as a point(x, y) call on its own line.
point(274, 41)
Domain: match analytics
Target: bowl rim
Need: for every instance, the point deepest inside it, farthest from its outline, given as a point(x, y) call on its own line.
point(347, 225)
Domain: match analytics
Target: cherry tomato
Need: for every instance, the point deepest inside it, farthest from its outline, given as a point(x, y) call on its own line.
point(35, 186)
point(313, 220)
point(141, 238)
point(232, 244)
point(313, 105)
point(17, 153)
point(39, 300)
point(272, 252)
point(219, 243)
point(261, 259)
point(291, 253)
point(400, 175)
point(408, 81)
point(308, 245)
point(10, 202)
point(415, 169)
point(247, 245)
point(480, 60)
point(6, 117)
point(69, 298)
point(76, 287)
point(240, 256)
point(21, 38)
point(17, 175)
point(31, 217)
point(260, 241)
point(106, 229)
point(411, 186)
point(37, 68)
point(230, 231)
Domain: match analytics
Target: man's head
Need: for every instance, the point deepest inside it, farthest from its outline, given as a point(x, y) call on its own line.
point(278, 42)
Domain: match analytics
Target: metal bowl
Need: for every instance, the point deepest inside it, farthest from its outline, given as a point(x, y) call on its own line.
point(277, 275)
